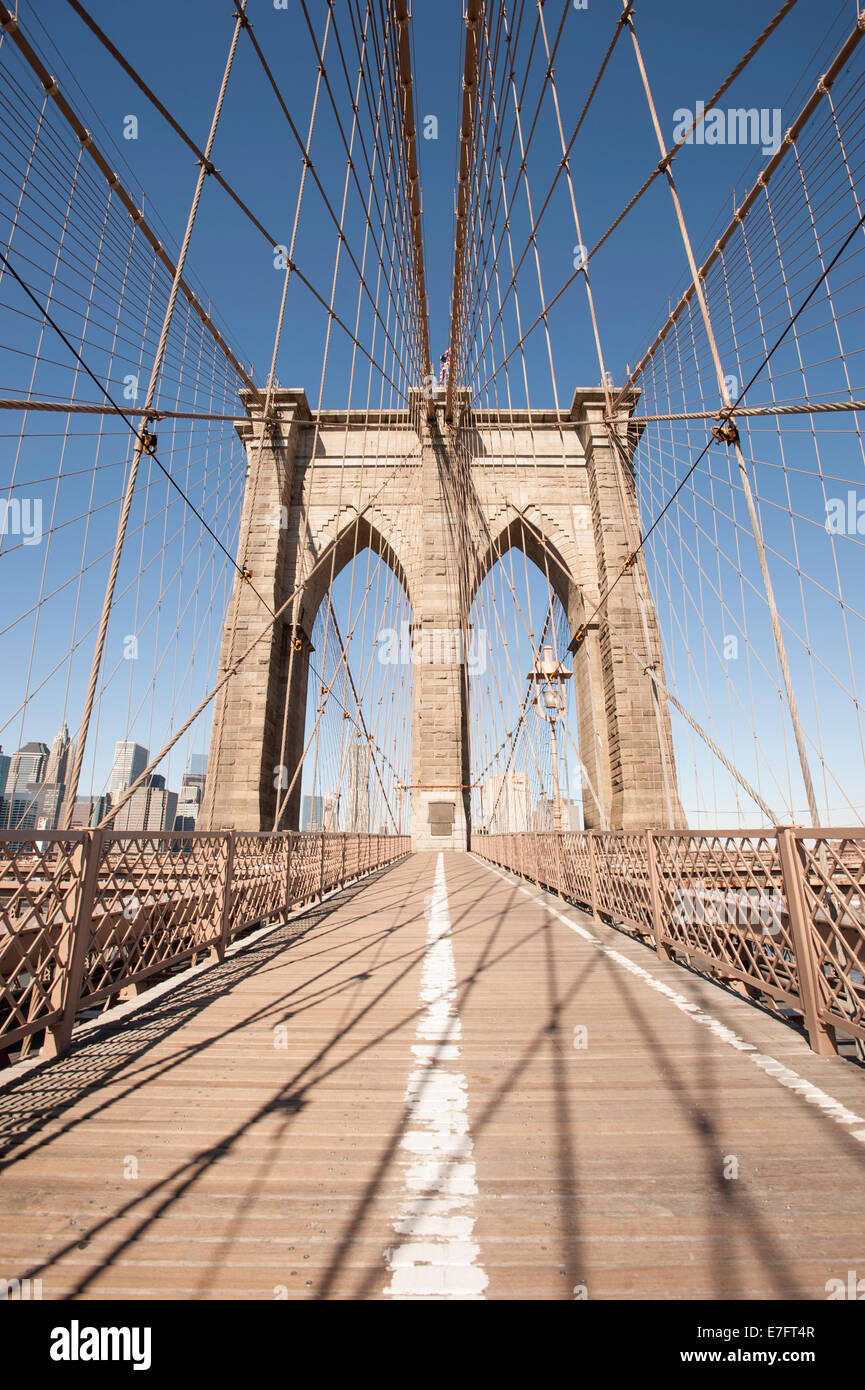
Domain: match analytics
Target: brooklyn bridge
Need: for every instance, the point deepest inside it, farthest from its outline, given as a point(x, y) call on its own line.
point(431, 838)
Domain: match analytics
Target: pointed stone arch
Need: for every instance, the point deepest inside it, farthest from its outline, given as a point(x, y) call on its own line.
point(523, 532)
point(527, 534)
point(352, 534)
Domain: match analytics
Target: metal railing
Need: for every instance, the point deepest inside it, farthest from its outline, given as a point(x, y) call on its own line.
point(777, 916)
point(86, 914)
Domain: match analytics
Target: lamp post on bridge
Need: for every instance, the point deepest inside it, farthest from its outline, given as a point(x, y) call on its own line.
point(549, 676)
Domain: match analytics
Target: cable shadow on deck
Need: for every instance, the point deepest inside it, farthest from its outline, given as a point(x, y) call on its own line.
point(29, 1102)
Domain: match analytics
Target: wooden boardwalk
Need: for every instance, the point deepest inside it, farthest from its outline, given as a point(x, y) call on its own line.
point(432, 1086)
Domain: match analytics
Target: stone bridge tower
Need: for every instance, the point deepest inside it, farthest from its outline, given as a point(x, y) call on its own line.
point(447, 503)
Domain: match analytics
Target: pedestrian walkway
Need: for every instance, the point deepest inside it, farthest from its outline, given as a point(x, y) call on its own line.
point(439, 1083)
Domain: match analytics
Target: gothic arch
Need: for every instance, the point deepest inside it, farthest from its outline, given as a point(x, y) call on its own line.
point(524, 534)
point(357, 534)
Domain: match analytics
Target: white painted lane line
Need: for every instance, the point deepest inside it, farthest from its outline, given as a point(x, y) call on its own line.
point(435, 1256)
point(784, 1075)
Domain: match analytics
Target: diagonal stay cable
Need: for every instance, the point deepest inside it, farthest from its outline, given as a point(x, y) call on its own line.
point(208, 165)
point(659, 169)
point(118, 410)
point(726, 413)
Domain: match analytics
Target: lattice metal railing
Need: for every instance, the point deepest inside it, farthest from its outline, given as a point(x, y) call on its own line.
point(87, 914)
point(833, 887)
point(777, 916)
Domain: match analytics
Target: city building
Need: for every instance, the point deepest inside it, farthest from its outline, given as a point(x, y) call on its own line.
point(49, 804)
point(572, 815)
point(313, 813)
point(150, 807)
point(357, 797)
point(27, 768)
point(52, 791)
point(20, 803)
point(19, 812)
point(188, 807)
point(191, 792)
point(89, 811)
point(130, 760)
point(196, 773)
point(59, 758)
point(507, 805)
point(197, 766)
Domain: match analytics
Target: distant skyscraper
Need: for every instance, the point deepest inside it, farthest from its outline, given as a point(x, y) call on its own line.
point(58, 758)
point(357, 798)
point(88, 811)
point(5, 760)
point(189, 804)
point(19, 812)
point(48, 805)
point(23, 786)
point(130, 760)
point(572, 818)
point(313, 813)
point(52, 793)
point(195, 776)
point(330, 806)
point(27, 767)
point(150, 807)
point(508, 803)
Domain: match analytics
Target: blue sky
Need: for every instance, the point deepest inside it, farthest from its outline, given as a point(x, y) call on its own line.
point(688, 51)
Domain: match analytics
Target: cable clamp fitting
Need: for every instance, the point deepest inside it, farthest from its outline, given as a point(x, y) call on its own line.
point(148, 440)
point(725, 432)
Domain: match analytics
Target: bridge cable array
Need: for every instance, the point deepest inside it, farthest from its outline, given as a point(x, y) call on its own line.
point(729, 588)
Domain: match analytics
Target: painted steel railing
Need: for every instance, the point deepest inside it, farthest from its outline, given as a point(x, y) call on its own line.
point(778, 916)
point(87, 914)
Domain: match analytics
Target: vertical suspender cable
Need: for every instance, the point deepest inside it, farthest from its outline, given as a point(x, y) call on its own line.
point(126, 508)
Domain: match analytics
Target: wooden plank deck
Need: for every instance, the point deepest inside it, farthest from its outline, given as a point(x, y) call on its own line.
point(384, 1099)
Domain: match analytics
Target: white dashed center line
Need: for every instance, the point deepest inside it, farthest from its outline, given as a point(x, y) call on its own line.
point(435, 1256)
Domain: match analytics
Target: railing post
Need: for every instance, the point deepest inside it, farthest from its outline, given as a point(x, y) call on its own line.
point(73, 953)
point(655, 895)
point(217, 950)
point(287, 872)
point(593, 874)
point(321, 871)
point(821, 1035)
